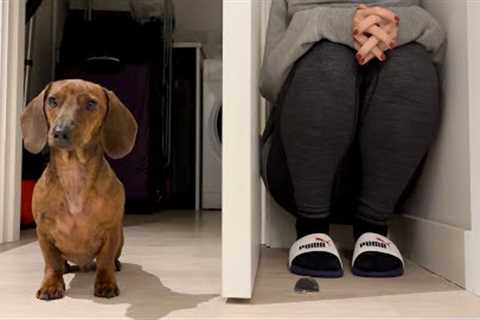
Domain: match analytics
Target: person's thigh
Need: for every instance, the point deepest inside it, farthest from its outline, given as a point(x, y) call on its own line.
point(399, 122)
point(277, 175)
point(317, 123)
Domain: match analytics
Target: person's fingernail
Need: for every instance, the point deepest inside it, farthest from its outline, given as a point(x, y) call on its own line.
point(392, 44)
point(355, 32)
point(383, 57)
point(359, 57)
point(397, 18)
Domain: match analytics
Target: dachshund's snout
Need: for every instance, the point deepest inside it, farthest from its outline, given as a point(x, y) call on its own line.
point(62, 134)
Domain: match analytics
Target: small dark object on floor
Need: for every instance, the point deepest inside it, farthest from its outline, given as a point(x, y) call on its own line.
point(306, 285)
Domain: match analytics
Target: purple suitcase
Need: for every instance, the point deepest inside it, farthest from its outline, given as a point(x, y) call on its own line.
point(131, 84)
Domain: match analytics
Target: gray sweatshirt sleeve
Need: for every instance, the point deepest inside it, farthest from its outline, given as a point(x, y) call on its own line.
point(277, 25)
point(289, 39)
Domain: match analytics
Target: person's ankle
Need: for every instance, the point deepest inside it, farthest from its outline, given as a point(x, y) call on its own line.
point(361, 226)
point(306, 226)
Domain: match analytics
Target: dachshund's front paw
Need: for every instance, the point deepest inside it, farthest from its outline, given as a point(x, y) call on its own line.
point(51, 291)
point(106, 290)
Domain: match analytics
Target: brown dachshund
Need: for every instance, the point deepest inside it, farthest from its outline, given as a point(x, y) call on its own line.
point(78, 202)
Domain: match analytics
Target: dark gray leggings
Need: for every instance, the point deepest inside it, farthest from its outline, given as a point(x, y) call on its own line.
point(387, 112)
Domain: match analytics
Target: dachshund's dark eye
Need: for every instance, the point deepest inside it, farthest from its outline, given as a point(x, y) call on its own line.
point(91, 105)
point(52, 102)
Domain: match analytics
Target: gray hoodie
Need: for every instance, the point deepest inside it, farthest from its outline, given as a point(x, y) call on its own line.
point(296, 25)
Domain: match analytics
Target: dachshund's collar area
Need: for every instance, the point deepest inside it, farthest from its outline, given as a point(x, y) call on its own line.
point(82, 155)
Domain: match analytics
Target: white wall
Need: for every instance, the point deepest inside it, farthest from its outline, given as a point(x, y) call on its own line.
point(473, 236)
point(443, 194)
point(200, 20)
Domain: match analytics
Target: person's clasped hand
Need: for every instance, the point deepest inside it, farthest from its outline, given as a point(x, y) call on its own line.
point(375, 30)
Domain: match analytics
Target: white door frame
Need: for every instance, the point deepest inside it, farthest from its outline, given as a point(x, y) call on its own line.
point(12, 47)
point(241, 186)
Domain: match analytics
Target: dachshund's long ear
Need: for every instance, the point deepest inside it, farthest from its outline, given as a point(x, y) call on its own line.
point(34, 123)
point(119, 128)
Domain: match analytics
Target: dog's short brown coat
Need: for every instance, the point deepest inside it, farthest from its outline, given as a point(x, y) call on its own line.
point(78, 202)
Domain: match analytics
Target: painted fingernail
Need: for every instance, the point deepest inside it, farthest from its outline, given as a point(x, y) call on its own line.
point(355, 32)
point(397, 18)
point(383, 57)
point(392, 44)
point(359, 57)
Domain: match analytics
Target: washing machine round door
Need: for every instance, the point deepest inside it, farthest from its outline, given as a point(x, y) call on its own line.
point(219, 124)
point(215, 129)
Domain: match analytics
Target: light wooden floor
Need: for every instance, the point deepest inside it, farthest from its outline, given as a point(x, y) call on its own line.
point(172, 271)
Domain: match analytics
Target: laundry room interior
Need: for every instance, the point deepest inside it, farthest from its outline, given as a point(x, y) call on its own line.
point(165, 64)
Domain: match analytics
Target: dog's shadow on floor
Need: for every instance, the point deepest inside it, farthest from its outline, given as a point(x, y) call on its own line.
point(145, 294)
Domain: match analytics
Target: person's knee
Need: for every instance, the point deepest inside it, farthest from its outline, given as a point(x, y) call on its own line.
point(410, 66)
point(410, 77)
point(327, 62)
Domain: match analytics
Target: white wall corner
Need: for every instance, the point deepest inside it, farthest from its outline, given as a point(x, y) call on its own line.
point(435, 246)
point(472, 262)
point(472, 238)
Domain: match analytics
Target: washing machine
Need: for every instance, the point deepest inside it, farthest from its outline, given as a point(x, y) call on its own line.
point(212, 135)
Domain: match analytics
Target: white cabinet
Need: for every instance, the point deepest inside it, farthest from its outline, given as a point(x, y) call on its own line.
point(241, 180)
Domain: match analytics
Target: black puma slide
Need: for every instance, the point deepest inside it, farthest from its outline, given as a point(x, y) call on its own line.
point(373, 243)
point(318, 243)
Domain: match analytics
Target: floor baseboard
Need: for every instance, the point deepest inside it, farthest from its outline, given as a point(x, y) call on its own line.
point(437, 247)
